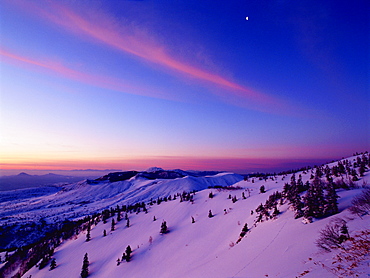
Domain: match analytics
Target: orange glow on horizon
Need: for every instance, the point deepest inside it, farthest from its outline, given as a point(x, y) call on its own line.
point(184, 163)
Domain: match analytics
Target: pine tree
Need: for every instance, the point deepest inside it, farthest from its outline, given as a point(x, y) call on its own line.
point(362, 169)
point(85, 267)
point(314, 199)
point(331, 206)
point(210, 215)
point(113, 225)
point(104, 233)
point(192, 220)
point(128, 223)
point(53, 264)
point(128, 253)
point(262, 189)
point(88, 235)
point(164, 228)
point(210, 195)
point(275, 212)
point(244, 230)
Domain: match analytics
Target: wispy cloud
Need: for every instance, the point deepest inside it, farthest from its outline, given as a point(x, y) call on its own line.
point(99, 27)
point(100, 80)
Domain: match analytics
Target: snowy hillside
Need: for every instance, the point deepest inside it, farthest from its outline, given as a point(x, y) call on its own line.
point(50, 205)
point(197, 245)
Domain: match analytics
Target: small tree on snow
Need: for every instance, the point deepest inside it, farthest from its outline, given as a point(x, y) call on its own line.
point(53, 264)
point(85, 267)
point(128, 253)
point(88, 235)
point(112, 225)
point(164, 228)
point(210, 215)
point(244, 230)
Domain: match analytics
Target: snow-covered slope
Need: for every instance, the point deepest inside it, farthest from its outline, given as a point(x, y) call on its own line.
point(280, 247)
point(82, 198)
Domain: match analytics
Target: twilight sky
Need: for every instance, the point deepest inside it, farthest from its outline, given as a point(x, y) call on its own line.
point(188, 84)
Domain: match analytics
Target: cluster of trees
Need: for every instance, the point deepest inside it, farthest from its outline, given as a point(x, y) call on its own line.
point(27, 256)
point(126, 256)
point(269, 209)
point(243, 232)
point(184, 196)
point(317, 198)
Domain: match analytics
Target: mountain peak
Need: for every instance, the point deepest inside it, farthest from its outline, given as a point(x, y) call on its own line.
point(153, 169)
point(23, 174)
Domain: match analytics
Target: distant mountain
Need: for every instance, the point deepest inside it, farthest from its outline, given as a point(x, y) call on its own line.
point(24, 180)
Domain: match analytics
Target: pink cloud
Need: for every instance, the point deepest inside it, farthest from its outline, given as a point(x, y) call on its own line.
point(91, 79)
point(97, 26)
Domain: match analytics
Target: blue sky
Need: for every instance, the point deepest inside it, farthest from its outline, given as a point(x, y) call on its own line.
point(182, 84)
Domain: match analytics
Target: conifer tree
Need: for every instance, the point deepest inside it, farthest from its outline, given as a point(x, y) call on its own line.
point(85, 267)
point(244, 230)
point(262, 189)
point(128, 223)
point(300, 186)
point(112, 225)
point(192, 220)
point(53, 264)
point(104, 233)
point(164, 228)
point(210, 215)
point(331, 205)
point(362, 169)
point(88, 235)
point(128, 253)
point(314, 199)
point(275, 212)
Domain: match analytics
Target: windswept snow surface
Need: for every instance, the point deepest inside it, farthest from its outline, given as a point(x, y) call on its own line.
point(280, 247)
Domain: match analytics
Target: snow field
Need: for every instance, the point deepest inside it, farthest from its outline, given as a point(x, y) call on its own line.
point(278, 248)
